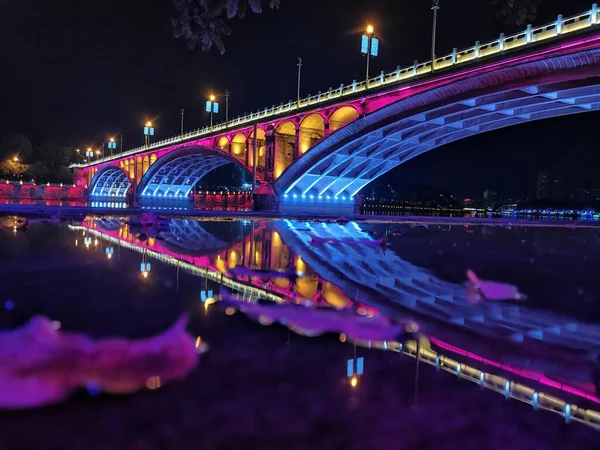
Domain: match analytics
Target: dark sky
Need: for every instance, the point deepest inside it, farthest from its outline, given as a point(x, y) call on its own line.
point(74, 71)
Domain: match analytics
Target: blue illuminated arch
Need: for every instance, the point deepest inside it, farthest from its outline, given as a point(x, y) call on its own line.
point(110, 181)
point(175, 174)
point(339, 166)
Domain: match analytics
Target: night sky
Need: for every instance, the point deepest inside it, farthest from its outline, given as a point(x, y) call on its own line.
point(75, 71)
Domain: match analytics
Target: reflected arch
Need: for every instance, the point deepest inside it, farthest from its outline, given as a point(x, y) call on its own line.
point(176, 174)
point(110, 181)
point(338, 167)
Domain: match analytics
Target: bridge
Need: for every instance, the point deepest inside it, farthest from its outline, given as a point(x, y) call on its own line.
point(316, 154)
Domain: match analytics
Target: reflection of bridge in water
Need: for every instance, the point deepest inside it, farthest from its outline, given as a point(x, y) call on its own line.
point(381, 280)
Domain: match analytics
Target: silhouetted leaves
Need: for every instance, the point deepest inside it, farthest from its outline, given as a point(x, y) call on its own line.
point(202, 22)
point(517, 11)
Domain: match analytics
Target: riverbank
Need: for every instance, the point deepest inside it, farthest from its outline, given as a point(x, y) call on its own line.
point(258, 215)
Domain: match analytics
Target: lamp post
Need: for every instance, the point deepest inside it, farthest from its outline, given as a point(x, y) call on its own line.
point(369, 46)
point(226, 106)
point(212, 107)
point(89, 153)
point(435, 7)
point(148, 131)
point(299, 73)
point(112, 145)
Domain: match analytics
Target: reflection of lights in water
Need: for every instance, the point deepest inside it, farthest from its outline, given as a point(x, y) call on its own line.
point(198, 341)
point(153, 382)
point(95, 242)
point(145, 274)
point(209, 301)
point(411, 327)
point(76, 242)
point(109, 255)
point(362, 311)
point(342, 337)
point(264, 320)
point(230, 311)
point(354, 381)
point(56, 325)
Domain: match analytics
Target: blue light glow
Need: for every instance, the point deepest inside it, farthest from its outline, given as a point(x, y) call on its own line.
point(285, 195)
point(312, 196)
point(295, 196)
point(208, 105)
point(364, 44)
point(374, 47)
point(9, 305)
point(343, 198)
point(215, 107)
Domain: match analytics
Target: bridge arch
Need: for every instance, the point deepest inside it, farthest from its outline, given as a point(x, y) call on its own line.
point(338, 167)
point(285, 146)
point(110, 181)
point(312, 130)
point(239, 146)
point(261, 141)
point(342, 116)
point(176, 173)
point(223, 144)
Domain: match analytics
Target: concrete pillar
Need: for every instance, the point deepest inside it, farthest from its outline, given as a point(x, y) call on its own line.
point(270, 154)
point(297, 143)
point(326, 130)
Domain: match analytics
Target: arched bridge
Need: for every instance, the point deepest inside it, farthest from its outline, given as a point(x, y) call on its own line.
point(318, 153)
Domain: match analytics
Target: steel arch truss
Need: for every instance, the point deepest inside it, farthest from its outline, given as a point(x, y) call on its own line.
point(110, 181)
point(353, 157)
point(175, 175)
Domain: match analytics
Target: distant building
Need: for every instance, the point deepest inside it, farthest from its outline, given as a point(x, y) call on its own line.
point(490, 196)
point(557, 188)
point(543, 188)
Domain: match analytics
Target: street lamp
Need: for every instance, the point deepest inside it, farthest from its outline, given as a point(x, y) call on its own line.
point(89, 153)
point(212, 107)
point(112, 145)
point(16, 159)
point(148, 131)
point(435, 7)
point(369, 46)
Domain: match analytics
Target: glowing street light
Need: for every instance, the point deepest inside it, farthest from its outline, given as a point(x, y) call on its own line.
point(148, 131)
point(370, 47)
point(112, 145)
point(16, 159)
point(212, 107)
point(89, 153)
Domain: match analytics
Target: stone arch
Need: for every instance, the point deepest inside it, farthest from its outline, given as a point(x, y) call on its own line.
point(223, 144)
point(285, 146)
point(261, 141)
point(239, 147)
point(341, 117)
point(312, 130)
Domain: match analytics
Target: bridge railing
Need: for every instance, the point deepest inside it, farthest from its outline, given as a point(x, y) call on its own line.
point(502, 45)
